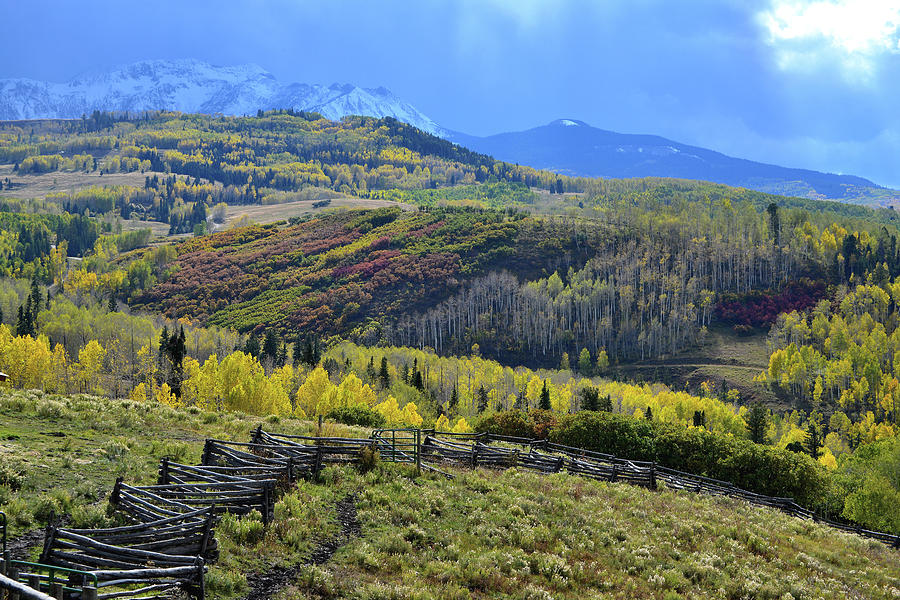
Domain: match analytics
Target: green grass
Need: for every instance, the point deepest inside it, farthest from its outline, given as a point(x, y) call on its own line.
point(520, 535)
point(62, 454)
point(484, 534)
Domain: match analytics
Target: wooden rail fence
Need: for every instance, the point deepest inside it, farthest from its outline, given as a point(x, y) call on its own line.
point(171, 535)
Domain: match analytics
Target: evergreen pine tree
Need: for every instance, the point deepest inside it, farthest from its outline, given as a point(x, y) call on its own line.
point(482, 399)
point(544, 403)
point(383, 373)
point(270, 345)
point(177, 351)
point(699, 418)
point(418, 383)
point(370, 369)
point(454, 400)
point(520, 400)
point(590, 397)
point(605, 403)
point(814, 438)
point(252, 347)
point(757, 421)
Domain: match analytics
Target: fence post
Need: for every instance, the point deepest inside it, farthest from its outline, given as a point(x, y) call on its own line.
point(418, 451)
point(164, 470)
point(89, 592)
point(265, 505)
point(56, 590)
point(13, 573)
point(204, 458)
point(653, 475)
point(474, 455)
point(318, 465)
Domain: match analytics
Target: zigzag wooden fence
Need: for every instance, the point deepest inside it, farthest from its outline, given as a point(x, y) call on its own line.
point(171, 535)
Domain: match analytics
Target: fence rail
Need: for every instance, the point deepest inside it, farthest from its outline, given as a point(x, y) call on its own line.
point(172, 532)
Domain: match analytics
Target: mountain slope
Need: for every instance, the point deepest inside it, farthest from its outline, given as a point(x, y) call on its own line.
point(575, 148)
point(196, 86)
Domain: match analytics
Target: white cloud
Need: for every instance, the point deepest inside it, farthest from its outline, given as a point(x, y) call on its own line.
point(810, 34)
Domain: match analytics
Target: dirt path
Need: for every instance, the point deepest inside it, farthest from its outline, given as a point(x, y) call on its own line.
point(265, 585)
point(691, 366)
point(21, 546)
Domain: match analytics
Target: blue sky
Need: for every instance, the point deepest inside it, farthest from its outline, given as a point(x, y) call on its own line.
point(802, 83)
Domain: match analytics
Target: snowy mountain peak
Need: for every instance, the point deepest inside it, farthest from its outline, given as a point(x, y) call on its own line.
point(190, 85)
point(568, 123)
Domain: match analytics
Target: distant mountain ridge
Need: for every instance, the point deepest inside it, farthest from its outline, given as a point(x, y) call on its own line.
point(566, 146)
point(573, 147)
point(195, 86)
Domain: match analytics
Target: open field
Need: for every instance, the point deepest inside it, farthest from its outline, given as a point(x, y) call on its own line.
point(391, 534)
point(272, 213)
point(722, 355)
point(38, 186)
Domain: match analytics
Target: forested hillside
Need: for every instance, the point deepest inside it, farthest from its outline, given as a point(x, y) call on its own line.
point(485, 289)
point(263, 160)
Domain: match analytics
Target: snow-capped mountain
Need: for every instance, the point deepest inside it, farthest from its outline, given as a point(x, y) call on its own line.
point(195, 86)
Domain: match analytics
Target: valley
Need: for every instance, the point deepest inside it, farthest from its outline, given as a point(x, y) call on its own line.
point(286, 269)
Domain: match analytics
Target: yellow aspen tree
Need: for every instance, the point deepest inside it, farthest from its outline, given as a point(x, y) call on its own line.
point(411, 415)
point(312, 391)
point(390, 410)
point(59, 373)
point(90, 367)
point(462, 426)
point(139, 393)
point(165, 396)
point(442, 424)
